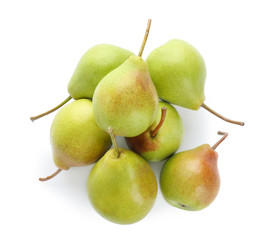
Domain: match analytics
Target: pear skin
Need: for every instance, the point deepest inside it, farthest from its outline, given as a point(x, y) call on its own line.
point(126, 99)
point(190, 180)
point(76, 139)
point(122, 189)
point(167, 139)
point(96, 63)
point(178, 71)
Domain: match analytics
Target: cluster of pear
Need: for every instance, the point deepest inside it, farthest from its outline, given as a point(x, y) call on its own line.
point(117, 94)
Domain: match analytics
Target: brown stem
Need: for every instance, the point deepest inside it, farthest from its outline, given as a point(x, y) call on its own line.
point(52, 110)
point(220, 116)
point(113, 138)
point(225, 134)
point(163, 115)
point(145, 38)
point(51, 176)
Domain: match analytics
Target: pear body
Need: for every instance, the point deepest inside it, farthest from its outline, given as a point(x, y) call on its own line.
point(178, 72)
point(96, 63)
point(165, 143)
point(76, 139)
point(126, 99)
point(190, 180)
point(122, 189)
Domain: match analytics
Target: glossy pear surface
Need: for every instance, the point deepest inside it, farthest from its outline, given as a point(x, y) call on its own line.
point(165, 143)
point(76, 139)
point(122, 190)
point(190, 180)
point(178, 72)
point(126, 99)
point(96, 63)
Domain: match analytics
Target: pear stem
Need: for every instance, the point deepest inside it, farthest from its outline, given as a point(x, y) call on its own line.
point(113, 138)
point(220, 116)
point(52, 110)
point(163, 115)
point(225, 134)
point(51, 176)
point(145, 37)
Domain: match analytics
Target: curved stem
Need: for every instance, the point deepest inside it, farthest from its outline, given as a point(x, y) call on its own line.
point(145, 38)
point(163, 115)
point(113, 138)
point(51, 176)
point(220, 116)
point(52, 110)
point(225, 134)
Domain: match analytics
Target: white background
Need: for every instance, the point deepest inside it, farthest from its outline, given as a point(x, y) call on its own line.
point(40, 46)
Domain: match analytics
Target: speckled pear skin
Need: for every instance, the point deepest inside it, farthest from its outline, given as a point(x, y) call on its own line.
point(122, 190)
point(126, 99)
point(178, 72)
point(165, 143)
point(190, 180)
point(96, 63)
point(76, 139)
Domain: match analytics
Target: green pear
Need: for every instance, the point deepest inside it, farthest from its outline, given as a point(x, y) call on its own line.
point(178, 71)
point(96, 63)
point(121, 186)
point(163, 138)
point(126, 99)
point(190, 179)
point(76, 139)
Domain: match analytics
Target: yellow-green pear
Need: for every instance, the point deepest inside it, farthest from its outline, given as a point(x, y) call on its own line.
point(96, 63)
point(178, 71)
point(76, 139)
point(190, 179)
point(121, 186)
point(126, 98)
point(163, 138)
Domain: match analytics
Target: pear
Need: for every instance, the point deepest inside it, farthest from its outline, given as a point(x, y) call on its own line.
point(76, 139)
point(121, 186)
point(97, 62)
point(163, 138)
point(178, 71)
point(190, 179)
point(126, 98)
